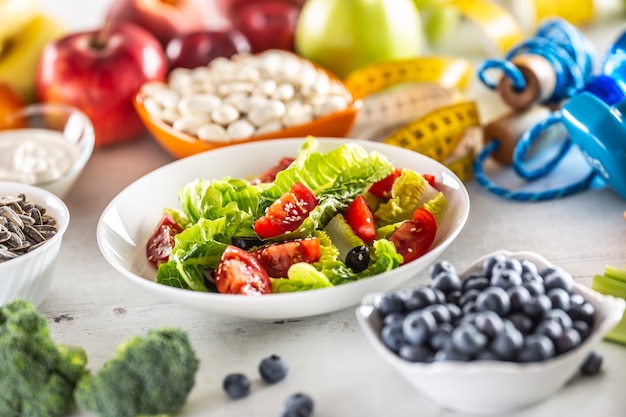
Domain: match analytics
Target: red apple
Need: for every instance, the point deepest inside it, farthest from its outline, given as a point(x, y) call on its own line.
point(268, 24)
point(197, 49)
point(165, 19)
point(99, 72)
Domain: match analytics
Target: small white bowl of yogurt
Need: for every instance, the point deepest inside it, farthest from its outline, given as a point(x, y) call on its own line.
point(48, 147)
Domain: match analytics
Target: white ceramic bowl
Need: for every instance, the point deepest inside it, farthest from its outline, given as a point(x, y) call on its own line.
point(130, 218)
point(492, 387)
point(29, 276)
point(37, 121)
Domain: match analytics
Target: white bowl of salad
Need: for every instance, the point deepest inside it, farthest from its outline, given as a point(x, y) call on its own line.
point(284, 228)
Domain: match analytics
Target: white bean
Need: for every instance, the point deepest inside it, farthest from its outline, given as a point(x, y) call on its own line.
point(240, 129)
point(225, 114)
point(329, 105)
point(213, 132)
point(265, 113)
point(270, 127)
point(199, 103)
point(190, 124)
point(297, 113)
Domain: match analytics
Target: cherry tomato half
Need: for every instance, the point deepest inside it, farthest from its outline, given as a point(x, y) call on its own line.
point(361, 219)
point(270, 174)
point(240, 272)
point(161, 243)
point(383, 187)
point(414, 237)
point(287, 213)
point(277, 258)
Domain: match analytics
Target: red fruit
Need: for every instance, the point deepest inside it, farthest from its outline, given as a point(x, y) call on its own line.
point(197, 49)
point(414, 237)
point(240, 272)
point(99, 72)
point(268, 24)
point(277, 258)
point(361, 219)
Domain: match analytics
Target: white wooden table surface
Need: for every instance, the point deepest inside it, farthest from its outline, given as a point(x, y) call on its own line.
point(93, 306)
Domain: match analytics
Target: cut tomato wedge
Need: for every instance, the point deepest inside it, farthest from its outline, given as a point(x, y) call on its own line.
point(361, 219)
point(277, 258)
point(270, 174)
point(287, 213)
point(240, 272)
point(383, 187)
point(414, 237)
point(161, 243)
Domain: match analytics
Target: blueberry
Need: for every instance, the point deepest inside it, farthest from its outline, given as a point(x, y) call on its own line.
point(273, 369)
point(582, 328)
point(467, 296)
point(550, 328)
point(467, 339)
point(534, 287)
point(557, 278)
point(298, 405)
point(441, 336)
point(495, 299)
point(393, 318)
point(414, 353)
point(486, 355)
point(488, 323)
point(418, 326)
point(447, 281)
point(448, 353)
point(477, 282)
point(528, 266)
point(236, 385)
point(519, 296)
point(440, 297)
point(537, 306)
point(453, 297)
point(560, 298)
point(522, 322)
point(490, 262)
point(568, 340)
point(592, 364)
point(585, 312)
point(392, 336)
point(441, 266)
point(509, 264)
point(560, 316)
point(455, 311)
point(576, 299)
point(392, 302)
point(469, 307)
point(507, 343)
point(537, 347)
point(419, 298)
point(440, 312)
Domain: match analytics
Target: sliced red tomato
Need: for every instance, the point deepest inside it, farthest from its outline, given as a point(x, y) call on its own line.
point(430, 178)
point(383, 187)
point(287, 213)
point(161, 243)
point(270, 174)
point(277, 258)
point(414, 237)
point(240, 272)
point(361, 219)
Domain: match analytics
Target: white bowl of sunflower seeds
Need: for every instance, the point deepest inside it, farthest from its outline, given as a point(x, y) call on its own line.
point(32, 224)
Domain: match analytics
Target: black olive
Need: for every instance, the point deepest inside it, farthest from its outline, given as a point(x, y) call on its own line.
point(358, 258)
point(246, 242)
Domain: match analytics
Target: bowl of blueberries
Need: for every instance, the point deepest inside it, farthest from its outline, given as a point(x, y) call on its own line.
point(504, 334)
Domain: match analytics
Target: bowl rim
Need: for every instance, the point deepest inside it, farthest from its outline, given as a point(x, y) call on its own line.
point(613, 306)
point(51, 202)
point(86, 145)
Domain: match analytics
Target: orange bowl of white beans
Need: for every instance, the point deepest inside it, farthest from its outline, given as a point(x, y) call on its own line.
point(245, 98)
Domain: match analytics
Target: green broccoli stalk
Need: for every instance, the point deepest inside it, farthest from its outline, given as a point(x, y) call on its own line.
point(148, 376)
point(37, 377)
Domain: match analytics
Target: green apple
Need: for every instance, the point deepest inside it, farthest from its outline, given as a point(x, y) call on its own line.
point(343, 35)
point(439, 19)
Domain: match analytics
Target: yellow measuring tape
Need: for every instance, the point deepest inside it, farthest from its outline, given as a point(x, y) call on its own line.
point(576, 12)
point(419, 98)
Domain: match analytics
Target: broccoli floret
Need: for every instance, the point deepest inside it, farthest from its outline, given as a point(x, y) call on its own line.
point(37, 377)
point(146, 376)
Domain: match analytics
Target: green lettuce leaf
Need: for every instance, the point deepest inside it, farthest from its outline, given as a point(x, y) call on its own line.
point(409, 191)
point(301, 277)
